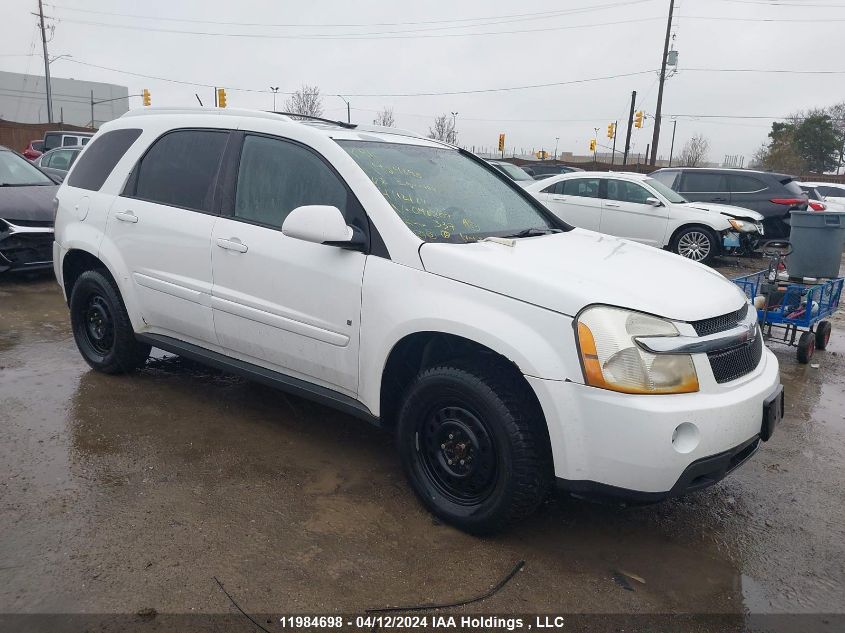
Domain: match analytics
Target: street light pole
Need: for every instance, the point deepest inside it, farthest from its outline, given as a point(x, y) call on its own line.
point(454, 128)
point(672, 146)
point(348, 109)
point(656, 137)
point(275, 91)
point(46, 63)
point(557, 138)
point(595, 148)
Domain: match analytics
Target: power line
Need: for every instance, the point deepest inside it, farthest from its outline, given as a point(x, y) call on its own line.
point(766, 70)
point(348, 94)
point(351, 36)
point(721, 18)
point(515, 16)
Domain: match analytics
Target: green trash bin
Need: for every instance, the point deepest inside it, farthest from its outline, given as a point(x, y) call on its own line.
point(817, 239)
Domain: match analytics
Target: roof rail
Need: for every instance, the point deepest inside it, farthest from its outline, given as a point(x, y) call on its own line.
point(148, 111)
point(308, 117)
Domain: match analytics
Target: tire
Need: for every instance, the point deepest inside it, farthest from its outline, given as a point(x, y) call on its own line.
point(806, 347)
point(452, 413)
point(697, 243)
point(823, 334)
point(101, 326)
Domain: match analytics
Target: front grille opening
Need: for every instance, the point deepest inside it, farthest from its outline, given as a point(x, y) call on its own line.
point(736, 362)
point(720, 323)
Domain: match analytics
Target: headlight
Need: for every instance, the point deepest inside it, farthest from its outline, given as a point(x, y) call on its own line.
point(742, 226)
point(612, 360)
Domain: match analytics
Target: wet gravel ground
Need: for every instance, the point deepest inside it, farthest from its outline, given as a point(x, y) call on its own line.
point(130, 494)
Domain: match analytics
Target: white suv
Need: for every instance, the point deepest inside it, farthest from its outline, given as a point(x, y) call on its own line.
point(409, 283)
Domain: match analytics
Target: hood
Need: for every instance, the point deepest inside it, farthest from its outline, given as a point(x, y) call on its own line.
point(725, 209)
point(34, 203)
point(565, 272)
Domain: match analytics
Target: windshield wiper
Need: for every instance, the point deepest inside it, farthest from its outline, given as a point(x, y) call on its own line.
point(534, 232)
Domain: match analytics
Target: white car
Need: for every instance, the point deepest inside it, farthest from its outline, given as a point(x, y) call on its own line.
point(832, 192)
point(640, 208)
point(409, 283)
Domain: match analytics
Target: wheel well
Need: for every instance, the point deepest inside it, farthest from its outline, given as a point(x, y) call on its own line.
point(74, 264)
point(695, 226)
point(419, 351)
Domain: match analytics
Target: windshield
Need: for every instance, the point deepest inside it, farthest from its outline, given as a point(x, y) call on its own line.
point(443, 195)
point(19, 172)
point(670, 194)
point(517, 173)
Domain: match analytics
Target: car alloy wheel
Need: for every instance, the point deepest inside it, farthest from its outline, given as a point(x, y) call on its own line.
point(694, 245)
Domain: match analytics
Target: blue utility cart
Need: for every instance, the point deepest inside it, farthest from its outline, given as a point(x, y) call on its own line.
point(794, 309)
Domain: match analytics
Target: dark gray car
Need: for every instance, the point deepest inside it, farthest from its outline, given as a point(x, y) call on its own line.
point(26, 214)
point(772, 195)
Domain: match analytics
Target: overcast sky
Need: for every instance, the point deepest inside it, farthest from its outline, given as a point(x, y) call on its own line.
point(404, 47)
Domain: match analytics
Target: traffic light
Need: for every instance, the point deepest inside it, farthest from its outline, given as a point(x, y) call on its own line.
point(145, 95)
point(221, 97)
point(501, 142)
point(611, 130)
point(592, 145)
point(638, 118)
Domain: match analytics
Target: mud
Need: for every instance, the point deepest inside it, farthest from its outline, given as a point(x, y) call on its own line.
point(130, 494)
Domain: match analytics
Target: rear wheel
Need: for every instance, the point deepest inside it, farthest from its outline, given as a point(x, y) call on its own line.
point(806, 347)
point(472, 447)
point(697, 243)
point(101, 326)
point(823, 334)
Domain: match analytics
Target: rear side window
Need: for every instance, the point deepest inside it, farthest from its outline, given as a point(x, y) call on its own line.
point(583, 187)
point(180, 168)
point(276, 176)
point(739, 183)
point(833, 192)
point(38, 145)
point(95, 165)
point(792, 187)
point(69, 141)
point(52, 141)
point(702, 182)
point(85, 139)
point(61, 159)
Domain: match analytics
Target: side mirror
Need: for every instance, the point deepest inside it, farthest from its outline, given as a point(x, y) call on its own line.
point(322, 224)
point(653, 202)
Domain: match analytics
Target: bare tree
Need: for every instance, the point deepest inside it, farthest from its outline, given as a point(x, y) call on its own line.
point(385, 118)
point(444, 129)
point(695, 151)
point(307, 100)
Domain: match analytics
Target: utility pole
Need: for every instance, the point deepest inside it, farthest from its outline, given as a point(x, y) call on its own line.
point(46, 62)
point(215, 96)
point(613, 153)
point(557, 138)
point(672, 146)
point(92, 109)
point(630, 125)
point(656, 138)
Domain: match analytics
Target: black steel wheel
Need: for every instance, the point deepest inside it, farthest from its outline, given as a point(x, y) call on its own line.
point(806, 347)
point(101, 326)
point(823, 334)
point(474, 446)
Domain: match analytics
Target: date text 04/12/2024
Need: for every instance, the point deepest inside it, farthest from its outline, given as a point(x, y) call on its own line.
point(422, 622)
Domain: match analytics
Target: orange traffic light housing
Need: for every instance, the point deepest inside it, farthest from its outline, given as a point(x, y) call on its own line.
point(638, 118)
point(611, 130)
point(221, 97)
point(145, 96)
point(501, 142)
point(592, 145)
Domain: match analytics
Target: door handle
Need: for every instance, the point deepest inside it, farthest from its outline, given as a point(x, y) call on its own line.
point(126, 216)
point(232, 244)
point(611, 204)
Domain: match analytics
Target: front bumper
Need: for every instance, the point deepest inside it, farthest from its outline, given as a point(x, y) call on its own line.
point(653, 446)
point(24, 247)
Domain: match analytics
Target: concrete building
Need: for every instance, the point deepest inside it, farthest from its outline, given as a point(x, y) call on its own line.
point(23, 99)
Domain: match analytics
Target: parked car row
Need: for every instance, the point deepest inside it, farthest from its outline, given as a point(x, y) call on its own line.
point(411, 284)
point(52, 140)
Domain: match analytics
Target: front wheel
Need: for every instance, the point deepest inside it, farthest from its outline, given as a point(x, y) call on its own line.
point(823, 334)
point(101, 326)
point(806, 347)
point(473, 448)
point(697, 243)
